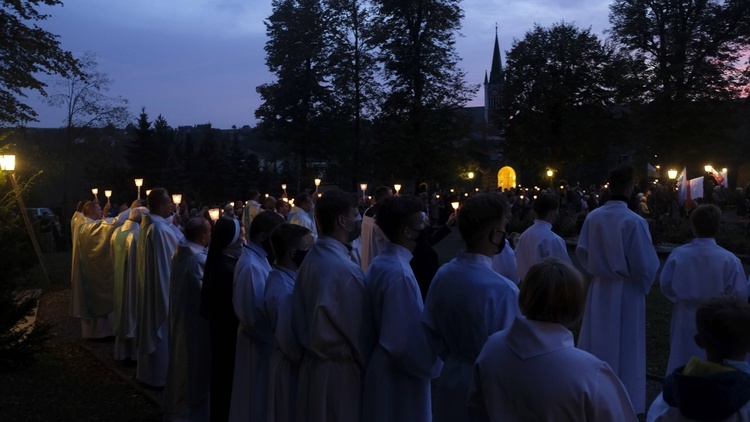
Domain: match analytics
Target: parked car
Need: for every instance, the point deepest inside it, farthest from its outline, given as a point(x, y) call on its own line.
point(36, 213)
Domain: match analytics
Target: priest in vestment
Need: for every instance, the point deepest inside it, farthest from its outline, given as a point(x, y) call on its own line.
point(290, 244)
point(92, 274)
point(123, 248)
point(255, 341)
point(252, 208)
point(468, 301)
point(615, 248)
point(539, 241)
point(299, 214)
point(331, 317)
point(694, 273)
point(373, 239)
point(186, 391)
point(157, 242)
point(397, 380)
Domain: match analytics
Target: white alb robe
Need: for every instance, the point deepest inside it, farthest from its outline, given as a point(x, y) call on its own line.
point(693, 273)
point(397, 380)
point(615, 248)
point(536, 243)
point(157, 242)
point(373, 241)
point(504, 263)
point(283, 371)
point(332, 320)
point(186, 391)
point(255, 341)
point(466, 303)
point(92, 276)
point(124, 251)
point(532, 372)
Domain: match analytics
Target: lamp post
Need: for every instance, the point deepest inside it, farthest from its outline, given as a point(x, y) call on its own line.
point(672, 173)
point(8, 163)
point(550, 173)
point(138, 184)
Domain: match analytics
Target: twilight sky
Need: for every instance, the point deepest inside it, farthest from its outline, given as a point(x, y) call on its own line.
point(199, 61)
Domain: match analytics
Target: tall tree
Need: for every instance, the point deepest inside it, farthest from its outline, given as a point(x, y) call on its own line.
point(85, 98)
point(692, 47)
point(561, 85)
point(296, 54)
point(27, 52)
point(417, 44)
point(693, 51)
point(355, 90)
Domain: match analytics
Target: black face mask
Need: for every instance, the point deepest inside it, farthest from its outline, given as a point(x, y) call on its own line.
point(501, 245)
point(266, 245)
point(298, 257)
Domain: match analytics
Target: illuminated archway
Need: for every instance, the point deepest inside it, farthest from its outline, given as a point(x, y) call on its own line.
point(506, 178)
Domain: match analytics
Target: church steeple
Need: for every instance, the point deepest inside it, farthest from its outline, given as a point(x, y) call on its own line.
point(496, 72)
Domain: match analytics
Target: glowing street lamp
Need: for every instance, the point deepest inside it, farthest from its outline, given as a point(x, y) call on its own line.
point(397, 187)
point(672, 173)
point(214, 213)
point(7, 162)
point(138, 184)
point(707, 168)
point(470, 175)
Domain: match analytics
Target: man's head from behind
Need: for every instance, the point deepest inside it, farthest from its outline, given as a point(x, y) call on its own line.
point(401, 220)
point(622, 180)
point(336, 215)
point(482, 219)
point(198, 230)
point(546, 205)
point(705, 220)
point(303, 201)
point(92, 210)
point(723, 325)
point(159, 203)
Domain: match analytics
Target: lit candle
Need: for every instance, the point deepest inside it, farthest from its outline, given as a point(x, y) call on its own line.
point(107, 193)
point(454, 205)
point(214, 213)
point(317, 182)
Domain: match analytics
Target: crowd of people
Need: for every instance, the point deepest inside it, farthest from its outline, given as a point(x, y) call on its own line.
point(319, 309)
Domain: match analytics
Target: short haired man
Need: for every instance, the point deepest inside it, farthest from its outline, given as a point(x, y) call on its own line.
point(252, 208)
point(397, 381)
point(290, 244)
point(717, 388)
point(539, 241)
point(157, 242)
point(255, 341)
point(92, 271)
point(615, 248)
point(331, 316)
point(693, 273)
point(468, 301)
point(186, 391)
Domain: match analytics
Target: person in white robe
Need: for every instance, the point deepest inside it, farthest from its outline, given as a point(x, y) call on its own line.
point(539, 241)
point(290, 243)
point(186, 391)
point(157, 242)
point(532, 370)
point(373, 239)
point(299, 214)
point(331, 317)
point(504, 263)
point(124, 252)
point(716, 388)
point(468, 301)
point(252, 208)
point(255, 340)
point(397, 380)
point(696, 272)
point(92, 271)
point(615, 248)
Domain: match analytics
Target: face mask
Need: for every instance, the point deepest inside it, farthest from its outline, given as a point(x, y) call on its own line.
point(298, 257)
point(501, 245)
point(356, 231)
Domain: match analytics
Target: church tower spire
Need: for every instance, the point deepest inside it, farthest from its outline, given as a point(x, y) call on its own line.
point(493, 87)
point(496, 71)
